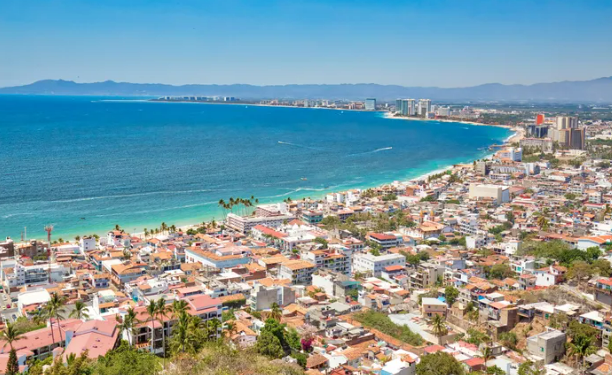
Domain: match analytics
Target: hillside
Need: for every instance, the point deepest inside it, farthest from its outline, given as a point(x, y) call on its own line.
point(596, 90)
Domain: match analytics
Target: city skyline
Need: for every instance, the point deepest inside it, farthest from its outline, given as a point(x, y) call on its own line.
point(440, 43)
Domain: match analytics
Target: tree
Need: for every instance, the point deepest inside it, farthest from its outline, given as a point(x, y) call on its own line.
point(500, 271)
point(438, 325)
point(439, 363)
point(542, 222)
point(162, 311)
point(187, 337)
point(451, 293)
point(275, 312)
point(579, 270)
point(212, 328)
point(487, 353)
point(321, 241)
point(80, 311)
point(125, 360)
point(508, 339)
point(152, 311)
point(294, 340)
point(530, 368)
point(582, 346)
point(55, 310)
point(127, 324)
point(269, 345)
point(12, 366)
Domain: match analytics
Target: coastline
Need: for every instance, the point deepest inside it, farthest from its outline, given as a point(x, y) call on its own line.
point(183, 215)
point(389, 115)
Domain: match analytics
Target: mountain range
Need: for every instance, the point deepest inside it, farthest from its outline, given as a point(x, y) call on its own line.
point(596, 90)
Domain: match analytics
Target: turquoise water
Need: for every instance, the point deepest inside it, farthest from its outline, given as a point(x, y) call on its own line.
point(85, 164)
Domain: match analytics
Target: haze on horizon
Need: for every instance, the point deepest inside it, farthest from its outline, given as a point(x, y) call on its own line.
point(442, 43)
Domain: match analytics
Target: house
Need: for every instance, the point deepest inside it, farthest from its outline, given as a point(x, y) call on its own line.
point(432, 306)
point(547, 347)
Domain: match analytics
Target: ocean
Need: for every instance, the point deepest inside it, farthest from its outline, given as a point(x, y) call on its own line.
point(84, 164)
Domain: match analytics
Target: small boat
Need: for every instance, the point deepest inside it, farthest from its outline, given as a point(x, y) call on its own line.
point(82, 218)
point(304, 179)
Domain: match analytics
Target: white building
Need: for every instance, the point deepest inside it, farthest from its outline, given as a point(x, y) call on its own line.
point(498, 193)
point(375, 264)
point(245, 224)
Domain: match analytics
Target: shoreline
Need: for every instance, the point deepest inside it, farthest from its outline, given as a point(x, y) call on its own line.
point(389, 115)
point(194, 222)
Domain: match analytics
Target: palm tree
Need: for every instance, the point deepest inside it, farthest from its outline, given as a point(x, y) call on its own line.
point(438, 325)
point(162, 311)
point(55, 310)
point(178, 308)
point(146, 232)
point(542, 222)
point(10, 334)
point(582, 346)
point(212, 327)
point(152, 310)
point(230, 328)
point(276, 313)
point(128, 323)
point(39, 316)
point(487, 353)
point(186, 334)
point(80, 311)
point(164, 227)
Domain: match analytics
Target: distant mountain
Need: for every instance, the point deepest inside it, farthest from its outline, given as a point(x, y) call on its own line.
point(597, 90)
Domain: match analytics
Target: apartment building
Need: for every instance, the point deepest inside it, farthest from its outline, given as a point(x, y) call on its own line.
point(298, 271)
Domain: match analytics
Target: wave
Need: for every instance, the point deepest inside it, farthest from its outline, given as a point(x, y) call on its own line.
point(128, 195)
point(17, 214)
point(298, 145)
point(157, 210)
point(373, 151)
point(300, 189)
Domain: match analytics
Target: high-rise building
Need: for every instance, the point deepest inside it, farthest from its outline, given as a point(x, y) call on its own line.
point(370, 104)
point(405, 107)
point(411, 107)
point(540, 119)
point(566, 122)
point(424, 107)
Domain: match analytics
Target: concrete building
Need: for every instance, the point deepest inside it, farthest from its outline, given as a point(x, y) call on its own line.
point(262, 297)
point(370, 104)
point(245, 224)
point(424, 107)
point(548, 346)
point(375, 264)
point(432, 306)
point(298, 271)
point(498, 193)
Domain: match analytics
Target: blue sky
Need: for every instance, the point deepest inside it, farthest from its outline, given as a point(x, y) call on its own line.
point(413, 43)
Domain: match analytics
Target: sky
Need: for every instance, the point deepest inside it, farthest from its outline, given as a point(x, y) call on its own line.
point(444, 43)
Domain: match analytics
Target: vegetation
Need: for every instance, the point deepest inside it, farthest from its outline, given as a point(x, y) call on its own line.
point(451, 293)
point(381, 322)
point(439, 363)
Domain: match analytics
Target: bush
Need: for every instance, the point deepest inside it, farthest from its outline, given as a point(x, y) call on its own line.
point(381, 322)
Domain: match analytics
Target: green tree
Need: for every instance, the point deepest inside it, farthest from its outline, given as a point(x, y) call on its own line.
point(9, 335)
point(152, 311)
point(582, 346)
point(438, 325)
point(321, 241)
point(275, 312)
point(55, 311)
point(530, 368)
point(439, 363)
point(80, 311)
point(500, 271)
point(269, 345)
point(187, 336)
point(451, 293)
point(128, 323)
point(125, 360)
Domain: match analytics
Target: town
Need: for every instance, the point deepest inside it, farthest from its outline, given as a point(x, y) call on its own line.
point(500, 266)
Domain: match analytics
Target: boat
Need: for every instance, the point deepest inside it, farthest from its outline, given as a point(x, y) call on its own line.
point(304, 179)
